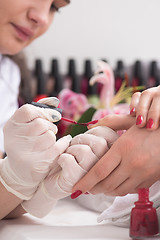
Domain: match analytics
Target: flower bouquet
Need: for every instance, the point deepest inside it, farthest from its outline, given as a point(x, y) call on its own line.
point(79, 108)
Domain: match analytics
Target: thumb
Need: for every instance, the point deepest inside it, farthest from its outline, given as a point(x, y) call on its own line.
point(28, 112)
point(50, 101)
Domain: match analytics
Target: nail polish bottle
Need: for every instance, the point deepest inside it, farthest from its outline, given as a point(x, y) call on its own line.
point(40, 80)
point(143, 220)
point(55, 81)
point(137, 79)
point(86, 89)
point(119, 75)
point(153, 79)
point(72, 80)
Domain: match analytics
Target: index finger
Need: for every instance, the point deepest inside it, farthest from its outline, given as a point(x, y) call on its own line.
point(98, 172)
point(116, 122)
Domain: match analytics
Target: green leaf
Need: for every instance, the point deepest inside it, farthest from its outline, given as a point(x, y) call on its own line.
point(74, 130)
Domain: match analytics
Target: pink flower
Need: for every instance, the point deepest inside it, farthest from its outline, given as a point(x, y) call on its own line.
point(101, 113)
point(122, 108)
point(105, 76)
point(73, 104)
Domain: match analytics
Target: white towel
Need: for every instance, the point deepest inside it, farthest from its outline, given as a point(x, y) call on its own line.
point(119, 212)
point(116, 210)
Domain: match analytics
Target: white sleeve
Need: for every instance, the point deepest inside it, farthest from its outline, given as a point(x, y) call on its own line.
point(9, 89)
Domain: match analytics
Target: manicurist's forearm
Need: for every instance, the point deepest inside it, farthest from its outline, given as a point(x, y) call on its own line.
point(17, 212)
point(8, 202)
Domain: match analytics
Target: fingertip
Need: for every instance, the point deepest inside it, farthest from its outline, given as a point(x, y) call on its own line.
point(139, 120)
point(76, 194)
point(56, 116)
point(81, 185)
point(55, 130)
point(133, 112)
point(151, 125)
point(90, 126)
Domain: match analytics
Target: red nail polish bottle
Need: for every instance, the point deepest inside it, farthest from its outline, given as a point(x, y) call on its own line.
point(40, 80)
point(144, 220)
point(119, 75)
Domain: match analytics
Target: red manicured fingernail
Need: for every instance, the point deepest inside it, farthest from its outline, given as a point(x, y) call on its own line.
point(92, 122)
point(76, 194)
point(86, 193)
point(150, 123)
point(139, 120)
point(132, 110)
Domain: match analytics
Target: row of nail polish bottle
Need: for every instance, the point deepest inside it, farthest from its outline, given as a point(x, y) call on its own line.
point(38, 81)
point(136, 75)
point(52, 83)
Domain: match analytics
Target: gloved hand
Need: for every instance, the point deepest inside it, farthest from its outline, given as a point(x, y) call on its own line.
point(84, 151)
point(29, 137)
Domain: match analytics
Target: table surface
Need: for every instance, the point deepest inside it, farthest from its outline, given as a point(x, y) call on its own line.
point(67, 221)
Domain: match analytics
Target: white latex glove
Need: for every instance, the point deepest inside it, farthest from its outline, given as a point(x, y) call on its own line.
point(84, 151)
point(29, 137)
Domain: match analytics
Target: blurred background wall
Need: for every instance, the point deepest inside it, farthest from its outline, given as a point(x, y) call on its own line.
point(95, 29)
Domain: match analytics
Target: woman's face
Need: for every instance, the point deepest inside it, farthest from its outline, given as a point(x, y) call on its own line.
point(22, 21)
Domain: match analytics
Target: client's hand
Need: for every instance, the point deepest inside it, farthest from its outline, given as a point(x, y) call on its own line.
point(29, 137)
point(84, 151)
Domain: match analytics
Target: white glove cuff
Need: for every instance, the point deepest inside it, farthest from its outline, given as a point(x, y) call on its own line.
point(40, 204)
point(9, 189)
point(12, 183)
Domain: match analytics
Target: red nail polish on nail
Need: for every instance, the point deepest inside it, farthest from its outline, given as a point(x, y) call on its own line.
point(76, 194)
point(139, 120)
point(150, 123)
point(143, 220)
point(132, 110)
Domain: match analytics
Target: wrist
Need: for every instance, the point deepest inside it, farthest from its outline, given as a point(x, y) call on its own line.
point(13, 183)
point(40, 204)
